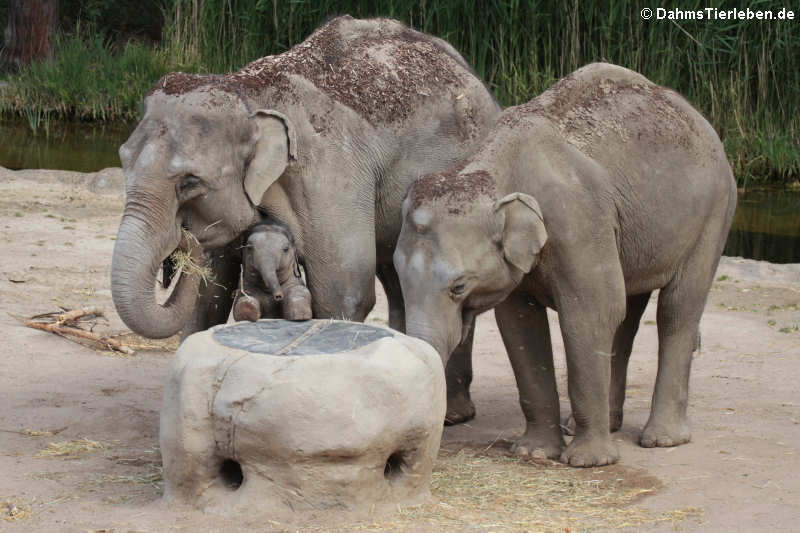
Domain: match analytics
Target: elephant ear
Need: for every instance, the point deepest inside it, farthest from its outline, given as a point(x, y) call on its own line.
point(275, 146)
point(524, 233)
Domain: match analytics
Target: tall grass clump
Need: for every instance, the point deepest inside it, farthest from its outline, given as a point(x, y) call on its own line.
point(88, 79)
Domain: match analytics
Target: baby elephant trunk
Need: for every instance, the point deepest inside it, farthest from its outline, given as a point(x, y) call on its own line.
point(271, 279)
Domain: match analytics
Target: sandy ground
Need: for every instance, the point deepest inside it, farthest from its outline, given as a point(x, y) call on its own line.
point(741, 472)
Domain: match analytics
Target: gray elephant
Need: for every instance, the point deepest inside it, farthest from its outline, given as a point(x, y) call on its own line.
point(271, 285)
point(601, 190)
point(325, 138)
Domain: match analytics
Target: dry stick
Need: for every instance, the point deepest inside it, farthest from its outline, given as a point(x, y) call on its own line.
point(62, 330)
point(71, 316)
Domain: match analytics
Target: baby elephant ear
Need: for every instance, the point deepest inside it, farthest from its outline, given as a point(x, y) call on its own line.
point(275, 147)
point(523, 229)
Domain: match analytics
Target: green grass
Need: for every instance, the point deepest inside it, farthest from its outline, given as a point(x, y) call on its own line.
point(744, 76)
point(88, 80)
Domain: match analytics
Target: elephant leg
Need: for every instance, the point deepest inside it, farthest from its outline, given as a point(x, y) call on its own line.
point(296, 303)
point(342, 278)
point(215, 297)
point(590, 314)
point(621, 353)
point(458, 375)
point(394, 294)
point(526, 334)
point(680, 306)
point(245, 307)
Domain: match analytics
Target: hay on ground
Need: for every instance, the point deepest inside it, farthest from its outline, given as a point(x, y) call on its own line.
point(72, 448)
point(15, 510)
point(489, 490)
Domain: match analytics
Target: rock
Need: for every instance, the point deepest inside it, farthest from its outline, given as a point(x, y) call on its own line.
point(280, 416)
point(107, 181)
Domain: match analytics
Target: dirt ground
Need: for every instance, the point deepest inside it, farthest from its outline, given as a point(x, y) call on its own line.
point(78, 426)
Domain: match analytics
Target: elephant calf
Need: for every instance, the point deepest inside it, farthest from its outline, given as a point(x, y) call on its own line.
point(601, 190)
point(272, 286)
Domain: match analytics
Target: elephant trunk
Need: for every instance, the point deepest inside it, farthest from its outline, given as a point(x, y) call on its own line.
point(138, 254)
point(421, 328)
point(271, 279)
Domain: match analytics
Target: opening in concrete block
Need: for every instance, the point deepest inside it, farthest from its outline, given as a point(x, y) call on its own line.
point(230, 472)
point(395, 467)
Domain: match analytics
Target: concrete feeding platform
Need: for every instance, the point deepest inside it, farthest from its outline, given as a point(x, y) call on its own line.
point(285, 416)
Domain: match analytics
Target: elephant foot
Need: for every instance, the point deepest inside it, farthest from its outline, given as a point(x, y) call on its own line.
point(297, 309)
point(658, 434)
point(614, 423)
point(460, 409)
point(539, 444)
point(246, 308)
point(588, 451)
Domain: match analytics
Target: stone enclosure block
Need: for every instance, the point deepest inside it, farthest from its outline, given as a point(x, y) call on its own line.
point(279, 416)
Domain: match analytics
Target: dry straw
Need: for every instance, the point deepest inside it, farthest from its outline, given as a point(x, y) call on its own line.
point(13, 511)
point(184, 261)
point(72, 448)
point(487, 490)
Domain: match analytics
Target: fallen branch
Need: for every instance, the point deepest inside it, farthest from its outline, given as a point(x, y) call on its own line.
point(72, 316)
point(62, 330)
point(60, 325)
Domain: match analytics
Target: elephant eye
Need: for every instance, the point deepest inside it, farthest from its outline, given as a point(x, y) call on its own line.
point(189, 182)
point(285, 248)
point(458, 289)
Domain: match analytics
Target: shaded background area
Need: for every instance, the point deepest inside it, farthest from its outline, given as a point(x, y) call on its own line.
point(73, 111)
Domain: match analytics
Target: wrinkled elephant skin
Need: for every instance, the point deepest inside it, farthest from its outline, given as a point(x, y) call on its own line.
point(325, 137)
point(601, 190)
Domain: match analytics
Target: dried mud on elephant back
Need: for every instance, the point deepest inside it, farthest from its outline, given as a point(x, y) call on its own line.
point(454, 189)
point(383, 76)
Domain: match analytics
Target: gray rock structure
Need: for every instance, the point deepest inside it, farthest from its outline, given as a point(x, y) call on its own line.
point(275, 416)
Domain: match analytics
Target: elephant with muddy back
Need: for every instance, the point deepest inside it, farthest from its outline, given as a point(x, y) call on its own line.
point(601, 190)
point(325, 138)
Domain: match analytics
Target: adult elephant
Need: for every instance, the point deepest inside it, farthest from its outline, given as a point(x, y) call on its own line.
point(588, 198)
point(325, 138)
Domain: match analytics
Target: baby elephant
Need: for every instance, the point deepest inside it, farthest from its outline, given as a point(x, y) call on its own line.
point(587, 199)
point(272, 286)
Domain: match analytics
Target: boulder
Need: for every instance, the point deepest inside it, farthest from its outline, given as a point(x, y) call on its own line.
point(288, 416)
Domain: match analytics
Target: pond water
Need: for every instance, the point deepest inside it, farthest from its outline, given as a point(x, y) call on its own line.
point(766, 225)
point(80, 147)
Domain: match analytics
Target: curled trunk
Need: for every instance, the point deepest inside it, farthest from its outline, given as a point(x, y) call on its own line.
point(137, 258)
